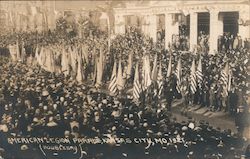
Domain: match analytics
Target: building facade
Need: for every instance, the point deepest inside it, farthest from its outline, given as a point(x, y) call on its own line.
point(27, 15)
point(212, 17)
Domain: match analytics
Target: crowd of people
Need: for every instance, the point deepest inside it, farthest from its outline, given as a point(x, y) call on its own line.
point(39, 103)
point(38, 100)
point(138, 45)
point(228, 42)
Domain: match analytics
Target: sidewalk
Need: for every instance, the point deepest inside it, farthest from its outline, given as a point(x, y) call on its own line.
point(216, 119)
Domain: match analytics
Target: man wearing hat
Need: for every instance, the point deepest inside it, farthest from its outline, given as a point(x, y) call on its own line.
point(169, 91)
point(240, 119)
point(232, 101)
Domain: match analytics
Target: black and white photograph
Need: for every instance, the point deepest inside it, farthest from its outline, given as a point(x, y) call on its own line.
point(124, 79)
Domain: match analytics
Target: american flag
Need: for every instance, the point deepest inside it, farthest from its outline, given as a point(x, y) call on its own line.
point(79, 76)
point(154, 70)
point(119, 80)
point(225, 79)
point(193, 85)
point(99, 73)
point(136, 86)
point(178, 74)
point(229, 80)
point(199, 74)
point(130, 64)
point(169, 67)
point(146, 73)
point(160, 80)
point(112, 85)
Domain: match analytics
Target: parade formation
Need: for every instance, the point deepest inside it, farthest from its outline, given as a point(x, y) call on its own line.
point(57, 84)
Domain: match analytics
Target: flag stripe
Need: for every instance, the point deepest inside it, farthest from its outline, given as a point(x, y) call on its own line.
point(112, 85)
point(136, 86)
point(178, 75)
point(193, 78)
point(226, 80)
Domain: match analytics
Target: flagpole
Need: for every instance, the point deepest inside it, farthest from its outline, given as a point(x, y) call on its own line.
point(54, 5)
point(109, 32)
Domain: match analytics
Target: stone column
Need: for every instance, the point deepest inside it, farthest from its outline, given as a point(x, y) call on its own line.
point(19, 22)
point(116, 24)
point(213, 32)
point(119, 24)
point(39, 22)
point(153, 27)
point(175, 24)
point(244, 30)
point(31, 22)
point(26, 22)
point(220, 24)
point(145, 25)
point(51, 21)
point(168, 30)
point(193, 30)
